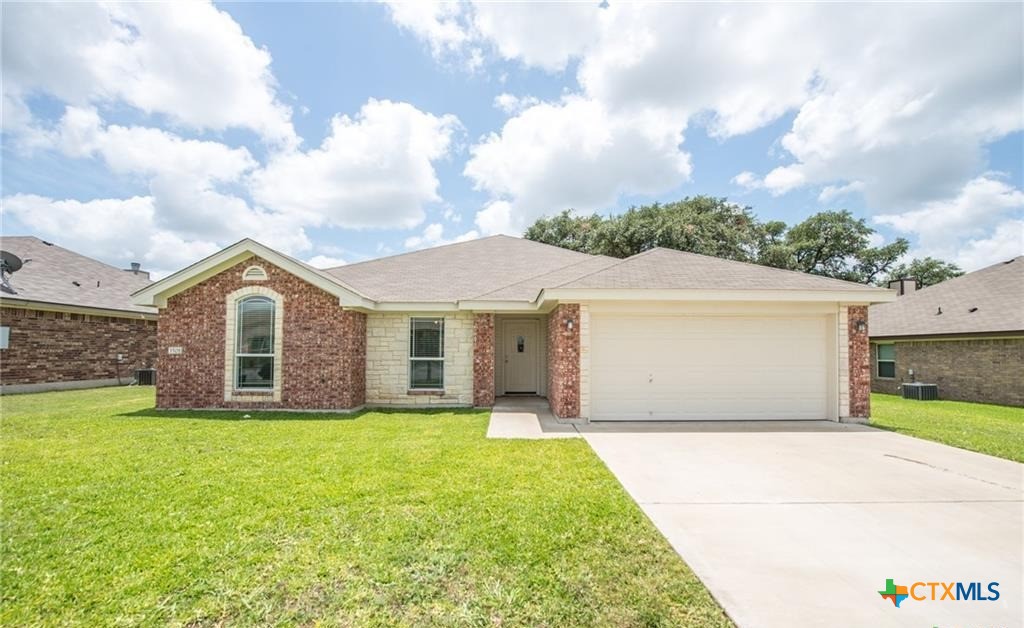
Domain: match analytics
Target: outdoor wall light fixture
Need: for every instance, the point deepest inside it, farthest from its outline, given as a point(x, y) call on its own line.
point(568, 323)
point(861, 326)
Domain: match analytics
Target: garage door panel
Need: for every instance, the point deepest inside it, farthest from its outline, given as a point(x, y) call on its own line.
point(705, 368)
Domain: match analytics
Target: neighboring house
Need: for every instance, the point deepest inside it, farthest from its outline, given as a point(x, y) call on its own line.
point(660, 335)
point(965, 334)
point(68, 321)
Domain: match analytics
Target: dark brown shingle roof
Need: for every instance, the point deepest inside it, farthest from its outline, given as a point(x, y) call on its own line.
point(53, 272)
point(986, 301)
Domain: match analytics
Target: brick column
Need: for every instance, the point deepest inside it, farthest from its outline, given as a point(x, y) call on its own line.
point(564, 360)
point(860, 362)
point(483, 360)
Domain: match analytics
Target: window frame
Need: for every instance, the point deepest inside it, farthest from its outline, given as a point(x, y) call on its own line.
point(879, 360)
point(271, 353)
point(413, 359)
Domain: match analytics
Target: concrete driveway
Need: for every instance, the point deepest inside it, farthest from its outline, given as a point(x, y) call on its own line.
point(801, 524)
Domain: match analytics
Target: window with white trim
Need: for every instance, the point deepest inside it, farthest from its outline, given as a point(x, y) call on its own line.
point(5, 337)
point(426, 353)
point(885, 361)
point(254, 346)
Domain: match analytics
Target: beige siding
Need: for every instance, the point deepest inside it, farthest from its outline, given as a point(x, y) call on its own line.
point(843, 354)
point(584, 361)
point(387, 360)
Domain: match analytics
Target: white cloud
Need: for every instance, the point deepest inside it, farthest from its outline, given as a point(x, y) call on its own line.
point(512, 104)
point(1005, 242)
point(373, 170)
point(325, 261)
point(747, 180)
point(978, 226)
point(895, 102)
point(443, 25)
point(116, 230)
point(433, 235)
point(188, 61)
point(534, 33)
point(573, 154)
point(497, 217)
point(832, 192)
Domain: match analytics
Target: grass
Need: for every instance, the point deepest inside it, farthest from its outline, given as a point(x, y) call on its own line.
point(117, 514)
point(994, 430)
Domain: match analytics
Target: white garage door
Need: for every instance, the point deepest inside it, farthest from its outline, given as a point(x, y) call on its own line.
point(651, 368)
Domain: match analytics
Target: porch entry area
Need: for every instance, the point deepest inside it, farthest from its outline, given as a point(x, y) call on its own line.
point(520, 355)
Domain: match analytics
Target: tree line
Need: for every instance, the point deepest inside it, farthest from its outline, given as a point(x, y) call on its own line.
point(829, 243)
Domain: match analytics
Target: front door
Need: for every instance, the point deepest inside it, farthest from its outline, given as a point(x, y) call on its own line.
point(521, 356)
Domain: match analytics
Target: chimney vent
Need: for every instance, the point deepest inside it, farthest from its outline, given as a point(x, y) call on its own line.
point(903, 285)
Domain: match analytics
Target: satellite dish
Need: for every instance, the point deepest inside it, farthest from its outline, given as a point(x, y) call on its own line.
point(9, 262)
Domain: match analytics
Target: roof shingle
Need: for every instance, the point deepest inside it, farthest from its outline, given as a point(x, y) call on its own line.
point(53, 272)
point(668, 269)
point(997, 293)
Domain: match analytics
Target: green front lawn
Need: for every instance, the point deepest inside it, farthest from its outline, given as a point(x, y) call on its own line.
point(994, 430)
point(114, 513)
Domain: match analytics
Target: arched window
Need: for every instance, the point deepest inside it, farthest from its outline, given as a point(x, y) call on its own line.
point(254, 347)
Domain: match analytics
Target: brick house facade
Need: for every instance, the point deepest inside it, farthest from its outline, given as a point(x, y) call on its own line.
point(323, 358)
point(564, 360)
point(390, 334)
point(983, 370)
point(60, 348)
point(859, 362)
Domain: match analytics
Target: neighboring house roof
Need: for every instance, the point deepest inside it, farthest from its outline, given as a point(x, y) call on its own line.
point(668, 269)
point(506, 272)
point(995, 294)
point(54, 275)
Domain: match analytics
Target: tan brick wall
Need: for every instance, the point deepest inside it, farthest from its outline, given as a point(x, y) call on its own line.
point(387, 359)
point(48, 347)
point(979, 369)
point(483, 360)
point(859, 362)
point(323, 350)
point(564, 360)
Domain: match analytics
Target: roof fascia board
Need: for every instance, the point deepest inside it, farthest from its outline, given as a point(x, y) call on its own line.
point(970, 335)
point(28, 304)
point(157, 293)
point(850, 297)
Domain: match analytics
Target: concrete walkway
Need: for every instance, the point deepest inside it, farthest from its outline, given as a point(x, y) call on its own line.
point(527, 417)
point(801, 524)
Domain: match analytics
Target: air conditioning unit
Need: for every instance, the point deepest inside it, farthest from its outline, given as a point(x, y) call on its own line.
point(920, 392)
point(145, 377)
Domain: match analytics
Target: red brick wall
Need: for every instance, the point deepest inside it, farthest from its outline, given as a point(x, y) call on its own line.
point(323, 354)
point(564, 360)
point(860, 362)
point(63, 347)
point(483, 360)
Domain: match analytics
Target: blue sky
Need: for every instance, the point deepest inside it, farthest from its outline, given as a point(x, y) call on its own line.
point(161, 132)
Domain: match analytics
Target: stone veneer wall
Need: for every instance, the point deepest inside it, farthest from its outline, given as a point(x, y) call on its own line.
point(983, 370)
point(387, 360)
point(483, 360)
point(323, 353)
point(584, 361)
point(564, 360)
point(859, 362)
point(57, 347)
